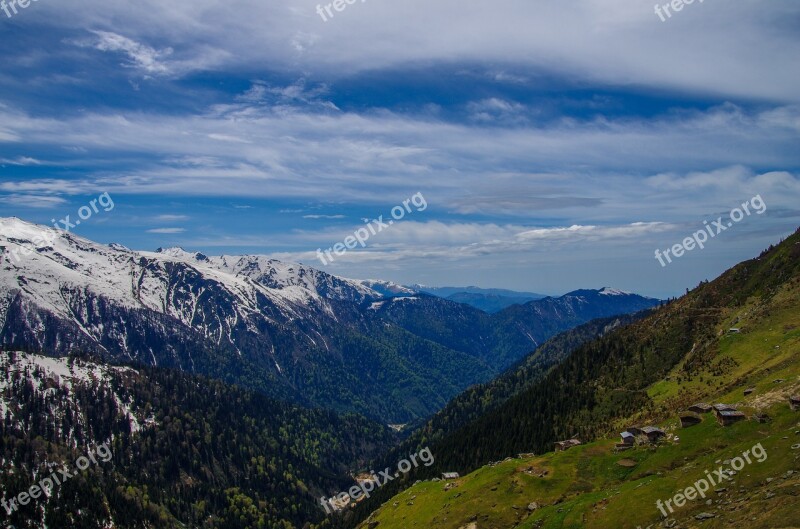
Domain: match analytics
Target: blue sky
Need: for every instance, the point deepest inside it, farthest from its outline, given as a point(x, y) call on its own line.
point(557, 145)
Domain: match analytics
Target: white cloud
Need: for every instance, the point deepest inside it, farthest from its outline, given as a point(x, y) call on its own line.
point(608, 41)
point(171, 218)
point(149, 61)
point(735, 177)
point(507, 77)
point(261, 91)
point(497, 110)
point(32, 200)
point(225, 137)
point(576, 232)
point(49, 186)
point(167, 230)
point(21, 160)
point(564, 170)
point(454, 240)
point(140, 56)
point(8, 136)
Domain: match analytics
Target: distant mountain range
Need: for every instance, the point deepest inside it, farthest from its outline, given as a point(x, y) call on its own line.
point(490, 300)
point(286, 330)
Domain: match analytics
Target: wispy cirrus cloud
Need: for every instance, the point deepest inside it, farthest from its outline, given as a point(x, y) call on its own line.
point(147, 60)
point(21, 160)
point(472, 169)
point(140, 56)
point(494, 110)
point(171, 218)
point(388, 35)
point(166, 231)
point(26, 200)
point(326, 217)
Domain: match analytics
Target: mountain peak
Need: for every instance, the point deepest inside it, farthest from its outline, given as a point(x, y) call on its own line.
point(174, 251)
point(18, 228)
point(609, 291)
point(179, 253)
point(120, 247)
point(605, 291)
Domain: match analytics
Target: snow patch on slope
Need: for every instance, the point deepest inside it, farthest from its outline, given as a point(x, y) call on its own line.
point(61, 372)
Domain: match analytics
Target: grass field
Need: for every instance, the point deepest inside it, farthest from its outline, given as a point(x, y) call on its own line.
point(587, 487)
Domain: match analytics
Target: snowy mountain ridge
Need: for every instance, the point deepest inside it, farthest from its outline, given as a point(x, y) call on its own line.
point(137, 279)
point(286, 330)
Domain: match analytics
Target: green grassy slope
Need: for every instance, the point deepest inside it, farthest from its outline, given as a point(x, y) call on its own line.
point(587, 487)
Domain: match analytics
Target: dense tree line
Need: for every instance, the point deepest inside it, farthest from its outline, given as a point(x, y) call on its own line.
point(207, 455)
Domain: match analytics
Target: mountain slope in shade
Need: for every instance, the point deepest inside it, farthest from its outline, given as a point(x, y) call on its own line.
point(478, 400)
point(284, 329)
point(498, 338)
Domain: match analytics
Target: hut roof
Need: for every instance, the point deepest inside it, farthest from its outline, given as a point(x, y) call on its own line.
point(652, 429)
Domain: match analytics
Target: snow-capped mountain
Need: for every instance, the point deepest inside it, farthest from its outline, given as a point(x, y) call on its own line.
point(45, 270)
point(141, 280)
point(288, 330)
point(60, 292)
